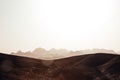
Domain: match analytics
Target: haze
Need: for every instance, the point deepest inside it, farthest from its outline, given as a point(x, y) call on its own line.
point(69, 24)
point(41, 53)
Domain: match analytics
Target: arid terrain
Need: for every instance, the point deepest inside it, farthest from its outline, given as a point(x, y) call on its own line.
point(98, 66)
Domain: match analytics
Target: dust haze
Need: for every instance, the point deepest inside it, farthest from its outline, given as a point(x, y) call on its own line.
point(41, 53)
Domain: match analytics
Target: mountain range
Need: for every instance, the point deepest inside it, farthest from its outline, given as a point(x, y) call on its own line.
point(41, 53)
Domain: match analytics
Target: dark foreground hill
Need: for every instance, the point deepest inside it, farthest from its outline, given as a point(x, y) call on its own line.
point(98, 66)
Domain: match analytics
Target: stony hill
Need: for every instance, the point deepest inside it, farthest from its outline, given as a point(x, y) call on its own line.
point(99, 66)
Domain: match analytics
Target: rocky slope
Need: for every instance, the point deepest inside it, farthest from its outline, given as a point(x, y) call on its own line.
point(99, 66)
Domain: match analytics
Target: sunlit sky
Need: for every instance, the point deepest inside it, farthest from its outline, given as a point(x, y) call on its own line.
point(70, 24)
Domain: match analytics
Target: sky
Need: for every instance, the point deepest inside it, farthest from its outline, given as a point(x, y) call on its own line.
point(70, 24)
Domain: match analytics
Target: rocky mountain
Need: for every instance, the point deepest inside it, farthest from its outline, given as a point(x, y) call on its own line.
point(41, 53)
point(99, 66)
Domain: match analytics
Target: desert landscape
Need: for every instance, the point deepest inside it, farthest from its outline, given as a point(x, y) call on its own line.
point(59, 40)
point(97, 66)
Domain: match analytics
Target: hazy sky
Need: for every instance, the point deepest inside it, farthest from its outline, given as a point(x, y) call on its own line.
point(70, 24)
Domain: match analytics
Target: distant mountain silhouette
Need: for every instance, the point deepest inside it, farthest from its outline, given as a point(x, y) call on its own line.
point(41, 53)
point(99, 66)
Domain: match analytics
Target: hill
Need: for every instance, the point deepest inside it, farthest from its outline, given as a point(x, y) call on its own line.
point(99, 66)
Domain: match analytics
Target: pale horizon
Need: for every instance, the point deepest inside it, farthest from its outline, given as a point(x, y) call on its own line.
point(61, 24)
point(41, 53)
